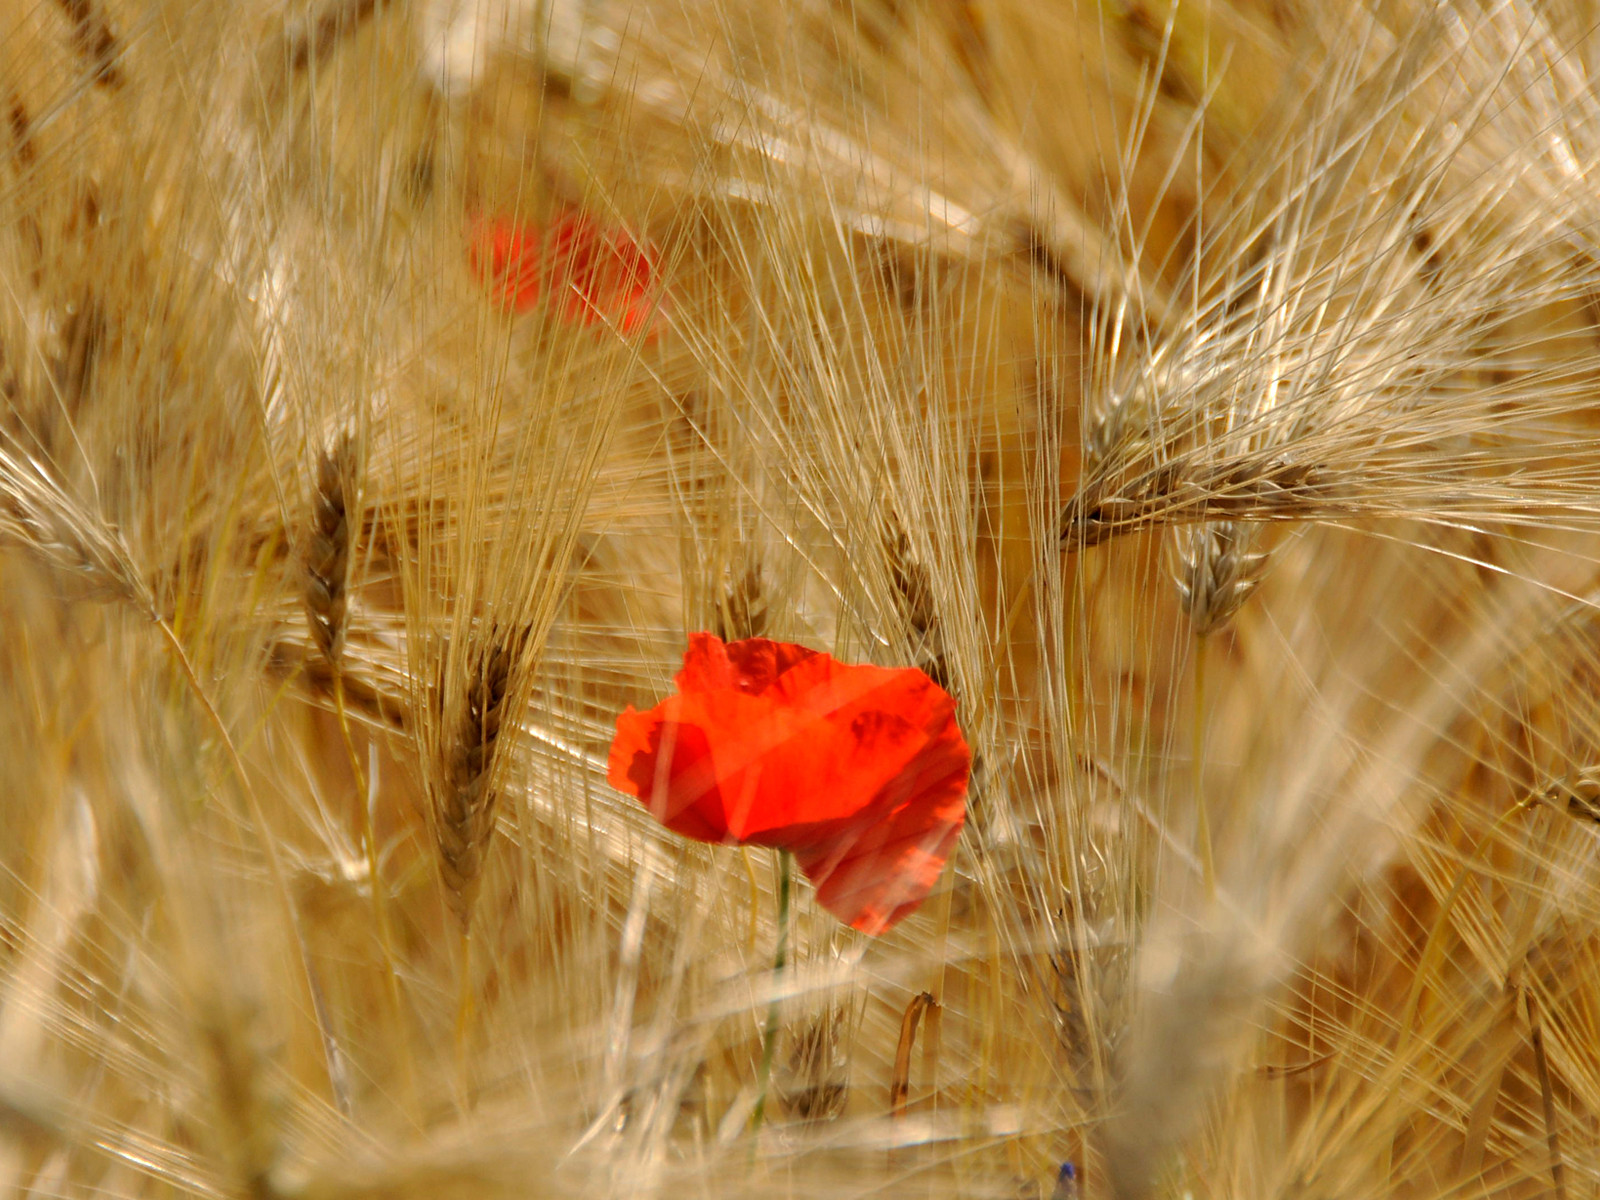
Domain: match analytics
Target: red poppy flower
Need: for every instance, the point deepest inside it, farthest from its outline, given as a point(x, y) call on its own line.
point(592, 274)
point(859, 771)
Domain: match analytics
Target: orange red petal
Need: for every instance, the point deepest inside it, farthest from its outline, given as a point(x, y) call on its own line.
point(859, 770)
point(589, 273)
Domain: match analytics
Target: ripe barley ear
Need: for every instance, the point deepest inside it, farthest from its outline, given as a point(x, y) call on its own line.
point(1218, 570)
point(913, 596)
point(743, 612)
point(476, 707)
point(327, 550)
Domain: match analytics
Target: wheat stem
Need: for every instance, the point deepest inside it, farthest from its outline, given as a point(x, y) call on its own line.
point(366, 794)
point(466, 1011)
point(755, 900)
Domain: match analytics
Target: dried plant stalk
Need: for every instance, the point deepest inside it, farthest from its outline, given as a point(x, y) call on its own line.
point(900, 1082)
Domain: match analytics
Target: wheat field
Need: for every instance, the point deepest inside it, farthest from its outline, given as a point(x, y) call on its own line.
point(1205, 392)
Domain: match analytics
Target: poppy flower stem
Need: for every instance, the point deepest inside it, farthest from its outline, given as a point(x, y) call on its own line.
point(780, 959)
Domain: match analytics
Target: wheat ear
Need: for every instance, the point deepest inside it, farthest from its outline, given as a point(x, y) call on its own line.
point(464, 802)
point(1187, 491)
point(327, 550)
point(1218, 570)
point(743, 611)
point(93, 37)
point(326, 561)
point(913, 594)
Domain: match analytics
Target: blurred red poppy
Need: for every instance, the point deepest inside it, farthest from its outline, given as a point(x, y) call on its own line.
point(590, 273)
point(860, 771)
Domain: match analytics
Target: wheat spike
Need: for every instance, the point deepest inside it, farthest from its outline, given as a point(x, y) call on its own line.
point(481, 709)
point(1217, 572)
point(37, 514)
point(815, 1082)
point(913, 595)
point(743, 612)
point(334, 500)
point(95, 41)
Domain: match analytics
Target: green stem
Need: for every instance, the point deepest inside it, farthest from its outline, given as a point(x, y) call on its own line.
point(780, 959)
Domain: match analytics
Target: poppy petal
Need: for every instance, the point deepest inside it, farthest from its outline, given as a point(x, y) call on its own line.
point(505, 257)
point(666, 762)
point(883, 868)
point(598, 274)
point(590, 274)
point(759, 663)
point(752, 665)
point(861, 771)
point(706, 667)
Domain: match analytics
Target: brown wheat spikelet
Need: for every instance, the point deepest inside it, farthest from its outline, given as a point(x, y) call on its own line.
point(913, 595)
point(1218, 570)
point(481, 711)
point(743, 611)
point(328, 545)
point(1188, 490)
point(815, 1083)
